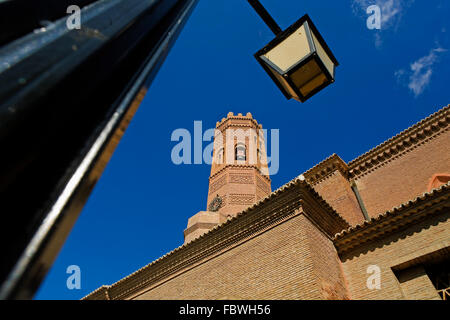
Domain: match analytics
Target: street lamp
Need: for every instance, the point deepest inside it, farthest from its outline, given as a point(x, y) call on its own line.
point(298, 60)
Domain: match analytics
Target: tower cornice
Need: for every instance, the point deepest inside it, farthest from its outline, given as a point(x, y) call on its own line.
point(239, 166)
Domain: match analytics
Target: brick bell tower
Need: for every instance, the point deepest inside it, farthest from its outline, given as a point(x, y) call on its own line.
point(239, 173)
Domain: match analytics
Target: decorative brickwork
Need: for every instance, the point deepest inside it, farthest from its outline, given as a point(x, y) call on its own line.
point(242, 199)
point(263, 185)
point(241, 178)
point(219, 183)
point(260, 195)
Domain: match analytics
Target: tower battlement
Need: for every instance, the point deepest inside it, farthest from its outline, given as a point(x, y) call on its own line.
point(232, 119)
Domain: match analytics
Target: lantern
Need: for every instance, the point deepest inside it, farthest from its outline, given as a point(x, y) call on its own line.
point(299, 61)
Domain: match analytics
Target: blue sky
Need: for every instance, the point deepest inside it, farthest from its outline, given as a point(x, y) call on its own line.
point(387, 80)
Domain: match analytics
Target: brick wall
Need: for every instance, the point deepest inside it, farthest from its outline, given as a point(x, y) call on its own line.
point(326, 264)
point(293, 260)
point(398, 180)
point(399, 248)
point(416, 285)
point(336, 190)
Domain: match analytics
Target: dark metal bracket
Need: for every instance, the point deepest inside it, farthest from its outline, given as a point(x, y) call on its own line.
point(265, 15)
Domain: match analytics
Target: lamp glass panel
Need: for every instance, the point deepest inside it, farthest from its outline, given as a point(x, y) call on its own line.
point(313, 84)
point(323, 55)
point(283, 83)
point(289, 52)
point(306, 73)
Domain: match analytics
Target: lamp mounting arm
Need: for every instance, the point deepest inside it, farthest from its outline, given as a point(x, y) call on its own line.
point(267, 18)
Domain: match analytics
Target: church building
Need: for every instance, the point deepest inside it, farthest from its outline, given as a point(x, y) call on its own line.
point(376, 227)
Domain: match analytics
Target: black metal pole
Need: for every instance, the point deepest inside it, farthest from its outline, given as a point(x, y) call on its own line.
point(66, 97)
point(264, 14)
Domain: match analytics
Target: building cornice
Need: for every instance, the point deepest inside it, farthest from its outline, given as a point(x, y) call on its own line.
point(294, 198)
point(431, 126)
point(394, 220)
point(325, 168)
point(402, 142)
point(199, 225)
point(99, 294)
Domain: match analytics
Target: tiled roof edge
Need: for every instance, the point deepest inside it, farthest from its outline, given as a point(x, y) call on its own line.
point(406, 139)
point(325, 168)
point(378, 227)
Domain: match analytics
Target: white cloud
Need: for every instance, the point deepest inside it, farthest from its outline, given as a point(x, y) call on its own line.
point(420, 72)
point(378, 40)
point(390, 9)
